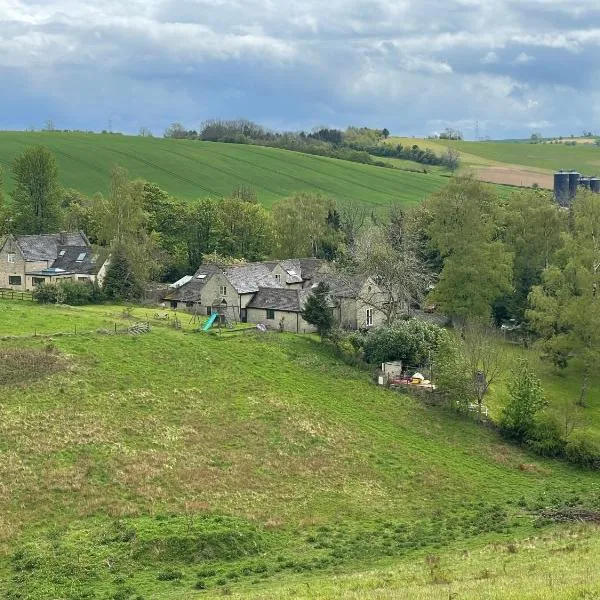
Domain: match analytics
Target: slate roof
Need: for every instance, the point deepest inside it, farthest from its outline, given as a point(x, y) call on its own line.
point(247, 279)
point(346, 286)
point(90, 263)
point(280, 299)
point(46, 246)
point(192, 290)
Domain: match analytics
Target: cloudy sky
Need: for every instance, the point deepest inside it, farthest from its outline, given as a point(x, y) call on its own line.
point(413, 66)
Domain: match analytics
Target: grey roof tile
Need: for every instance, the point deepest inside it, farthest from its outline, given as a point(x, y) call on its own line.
point(46, 246)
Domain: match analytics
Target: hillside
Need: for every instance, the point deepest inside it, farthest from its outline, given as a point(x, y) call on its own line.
point(516, 162)
point(192, 169)
point(177, 464)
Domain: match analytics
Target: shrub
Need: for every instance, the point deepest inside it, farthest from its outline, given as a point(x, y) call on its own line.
point(67, 291)
point(47, 293)
point(413, 342)
point(546, 437)
point(169, 575)
point(583, 450)
point(526, 400)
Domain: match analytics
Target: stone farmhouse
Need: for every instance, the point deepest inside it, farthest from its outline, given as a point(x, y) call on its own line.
point(28, 260)
point(274, 293)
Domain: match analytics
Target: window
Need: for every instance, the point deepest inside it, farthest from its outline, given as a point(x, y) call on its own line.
point(223, 290)
point(201, 276)
point(62, 252)
point(277, 278)
point(10, 257)
point(369, 317)
point(37, 280)
point(81, 257)
point(270, 314)
point(83, 279)
point(209, 310)
point(173, 303)
point(14, 280)
point(189, 304)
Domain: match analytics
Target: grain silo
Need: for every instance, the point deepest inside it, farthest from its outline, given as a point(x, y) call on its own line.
point(561, 188)
point(573, 183)
point(595, 184)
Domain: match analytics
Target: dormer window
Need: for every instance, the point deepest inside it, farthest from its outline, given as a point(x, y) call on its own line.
point(201, 276)
point(62, 252)
point(81, 257)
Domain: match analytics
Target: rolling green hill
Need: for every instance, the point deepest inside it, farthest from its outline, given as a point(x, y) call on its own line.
point(191, 169)
point(178, 465)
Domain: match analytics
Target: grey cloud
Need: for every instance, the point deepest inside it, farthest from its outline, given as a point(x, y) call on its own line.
point(412, 65)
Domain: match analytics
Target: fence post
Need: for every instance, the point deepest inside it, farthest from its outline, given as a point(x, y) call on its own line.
point(115, 328)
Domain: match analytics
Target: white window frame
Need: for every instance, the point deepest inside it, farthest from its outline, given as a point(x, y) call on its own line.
point(277, 278)
point(223, 290)
point(10, 257)
point(369, 317)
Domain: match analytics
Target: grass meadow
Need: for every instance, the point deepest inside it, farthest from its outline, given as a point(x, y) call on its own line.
point(191, 169)
point(176, 464)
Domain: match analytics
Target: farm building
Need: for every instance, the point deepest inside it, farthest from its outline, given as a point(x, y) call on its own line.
point(280, 309)
point(274, 293)
point(29, 260)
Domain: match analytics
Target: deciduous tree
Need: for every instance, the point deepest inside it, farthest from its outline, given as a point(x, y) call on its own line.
point(36, 196)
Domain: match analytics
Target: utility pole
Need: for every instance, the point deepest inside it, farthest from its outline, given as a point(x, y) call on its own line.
point(476, 131)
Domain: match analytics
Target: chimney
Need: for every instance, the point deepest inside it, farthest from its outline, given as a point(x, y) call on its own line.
point(63, 238)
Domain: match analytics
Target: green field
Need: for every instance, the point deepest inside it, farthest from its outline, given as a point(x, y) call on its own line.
point(583, 157)
point(177, 465)
point(191, 169)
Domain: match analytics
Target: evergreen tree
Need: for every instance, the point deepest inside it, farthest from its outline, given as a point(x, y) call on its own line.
point(317, 310)
point(120, 282)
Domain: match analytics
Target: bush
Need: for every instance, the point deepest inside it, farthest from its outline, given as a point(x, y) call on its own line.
point(169, 575)
point(70, 292)
point(526, 400)
point(546, 437)
point(583, 450)
point(413, 342)
point(47, 293)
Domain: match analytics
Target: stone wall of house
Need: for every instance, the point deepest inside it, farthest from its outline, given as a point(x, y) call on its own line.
point(15, 268)
point(280, 274)
point(292, 321)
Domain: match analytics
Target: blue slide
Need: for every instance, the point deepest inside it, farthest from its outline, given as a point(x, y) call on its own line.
point(210, 321)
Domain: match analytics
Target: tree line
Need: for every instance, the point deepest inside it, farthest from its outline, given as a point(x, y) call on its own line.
point(356, 144)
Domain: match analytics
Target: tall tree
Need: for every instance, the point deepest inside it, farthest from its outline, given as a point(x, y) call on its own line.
point(120, 215)
point(301, 224)
point(36, 196)
point(466, 218)
point(245, 229)
point(534, 227)
point(393, 262)
point(565, 308)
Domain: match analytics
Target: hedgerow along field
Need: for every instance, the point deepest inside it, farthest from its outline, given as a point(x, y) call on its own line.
point(190, 169)
point(180, 465)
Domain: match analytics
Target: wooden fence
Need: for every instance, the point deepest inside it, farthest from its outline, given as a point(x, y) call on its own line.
point(15, 295)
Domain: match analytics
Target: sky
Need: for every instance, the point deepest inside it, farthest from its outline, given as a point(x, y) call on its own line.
point(413, 66)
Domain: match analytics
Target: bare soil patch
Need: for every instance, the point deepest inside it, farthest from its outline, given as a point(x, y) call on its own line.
point(517, 176)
